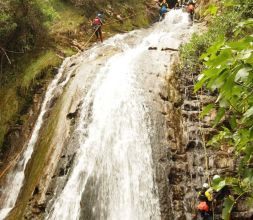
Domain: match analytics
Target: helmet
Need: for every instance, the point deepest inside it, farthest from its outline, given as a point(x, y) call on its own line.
point(202, 206)
point(205, 185)
point(215, 177)
point(99, 15)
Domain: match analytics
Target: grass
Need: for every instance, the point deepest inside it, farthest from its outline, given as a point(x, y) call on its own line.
point(69, 19)
point(34, 69)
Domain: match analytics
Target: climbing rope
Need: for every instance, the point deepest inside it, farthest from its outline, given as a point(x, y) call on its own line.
point(202, 135)
point(112, 22)
point(12, 162)
point(87, 42)
point(203, 142)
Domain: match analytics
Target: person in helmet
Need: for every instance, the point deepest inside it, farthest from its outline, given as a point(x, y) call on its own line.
point(204, 205)
point(97, 26)
point(201, 194)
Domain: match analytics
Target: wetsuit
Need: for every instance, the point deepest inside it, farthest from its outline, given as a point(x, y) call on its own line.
point(164, 9)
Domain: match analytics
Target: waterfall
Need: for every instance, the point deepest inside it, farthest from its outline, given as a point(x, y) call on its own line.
point(113, 173)
point(112, 176)
point(15, 178)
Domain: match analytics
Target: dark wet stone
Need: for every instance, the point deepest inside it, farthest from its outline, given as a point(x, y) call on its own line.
point(152, 48)
point(61, 172)
point(71, 115)
point(42, 207)
point(36, 191)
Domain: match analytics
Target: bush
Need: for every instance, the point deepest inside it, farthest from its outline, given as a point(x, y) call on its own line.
point(221, 26)
point(22, 23)
point(7, 23)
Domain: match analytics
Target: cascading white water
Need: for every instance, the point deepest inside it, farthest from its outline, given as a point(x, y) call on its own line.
point(15, 178)
point(112, 176)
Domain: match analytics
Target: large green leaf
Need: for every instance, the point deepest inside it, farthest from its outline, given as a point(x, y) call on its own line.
point(248, 113)
point(206, 110)
point(248, 173)
point(228, 206)
point(244, 54)
point(218, 185)
point(223, 59)
point(243, 74)
point(232, 121)
point(220, 114)
point(214, 48)
point(248, 153)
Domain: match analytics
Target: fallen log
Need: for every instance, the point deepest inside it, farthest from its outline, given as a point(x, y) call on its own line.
point(168, 48)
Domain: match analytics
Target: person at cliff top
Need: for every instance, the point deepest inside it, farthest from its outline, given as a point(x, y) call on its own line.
point(164, 9)
point(97, 26)
point(191, 7)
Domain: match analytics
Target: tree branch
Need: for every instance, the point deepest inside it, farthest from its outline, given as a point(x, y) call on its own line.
point(6, 55)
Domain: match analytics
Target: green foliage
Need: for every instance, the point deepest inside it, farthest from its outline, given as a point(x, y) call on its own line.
point(7, 24)
point(47, 10)
point(228, 206)
point(228, 69)
point(221, 26)
point(223, 56)
point(212, 9)
point(22, 23)
point(206, 110)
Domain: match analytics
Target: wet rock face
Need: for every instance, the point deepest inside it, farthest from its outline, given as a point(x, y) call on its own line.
point(188, 166)
point(188, 161)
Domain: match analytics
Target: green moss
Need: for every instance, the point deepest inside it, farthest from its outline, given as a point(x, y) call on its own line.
point(38, 162)
point(68, 51)
point(9, 106)
point(37, 66)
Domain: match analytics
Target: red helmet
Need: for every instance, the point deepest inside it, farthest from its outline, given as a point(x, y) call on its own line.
point(202, 206)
